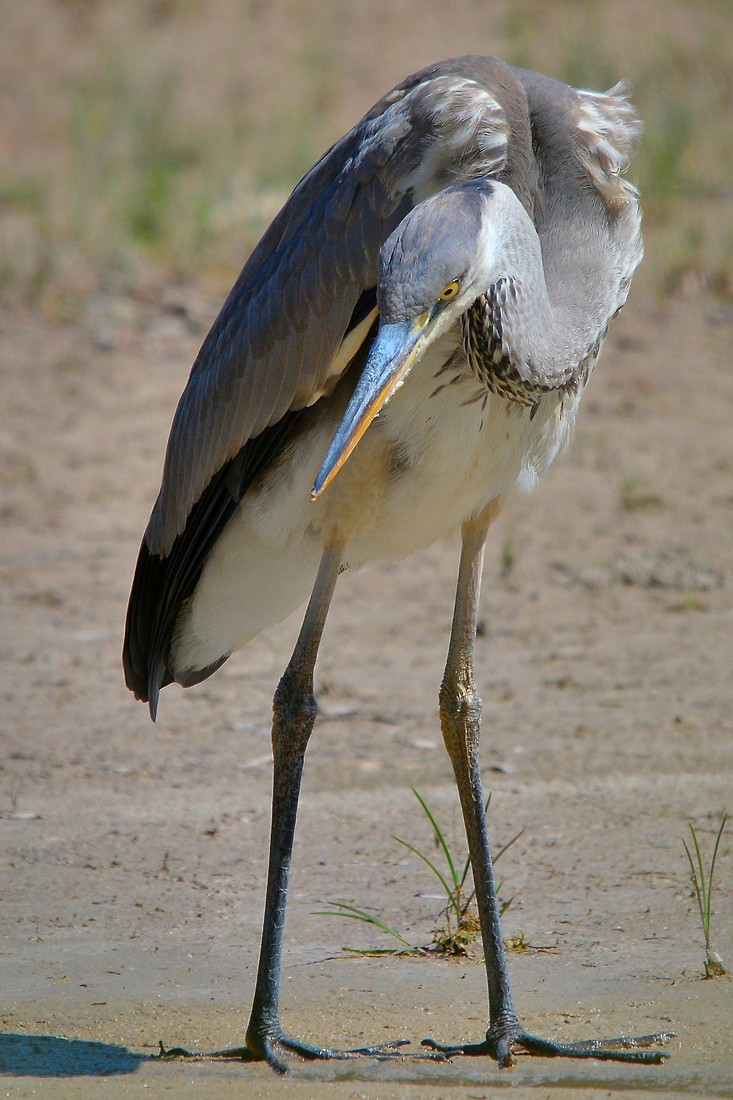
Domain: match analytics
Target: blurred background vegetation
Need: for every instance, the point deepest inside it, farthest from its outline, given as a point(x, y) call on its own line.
point(152, 140)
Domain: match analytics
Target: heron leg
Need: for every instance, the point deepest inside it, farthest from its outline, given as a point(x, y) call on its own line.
point(294, 715)
point(460, 712)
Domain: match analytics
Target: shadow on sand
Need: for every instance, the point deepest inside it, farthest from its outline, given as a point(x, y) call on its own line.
point(49, 1056)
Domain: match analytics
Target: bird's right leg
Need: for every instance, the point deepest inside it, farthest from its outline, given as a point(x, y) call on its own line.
point(460, 710)
point(294, 715)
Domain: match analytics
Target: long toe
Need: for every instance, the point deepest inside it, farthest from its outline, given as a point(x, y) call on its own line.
point(270, 1049)
point(625, 1048)
point(378, 1050)
point(501, 1048)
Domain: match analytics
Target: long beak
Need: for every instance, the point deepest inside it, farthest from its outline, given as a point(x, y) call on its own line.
point(392, 354)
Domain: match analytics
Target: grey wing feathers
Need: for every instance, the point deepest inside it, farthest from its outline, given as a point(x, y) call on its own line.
point(272, 348)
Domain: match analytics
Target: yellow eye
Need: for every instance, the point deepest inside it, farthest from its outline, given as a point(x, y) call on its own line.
point(449, 291)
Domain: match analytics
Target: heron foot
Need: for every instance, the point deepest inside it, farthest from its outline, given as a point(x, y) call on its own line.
point(269, 1049)
point(501, 1046)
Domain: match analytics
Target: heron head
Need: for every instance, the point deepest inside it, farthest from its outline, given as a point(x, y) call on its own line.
point(431, 269)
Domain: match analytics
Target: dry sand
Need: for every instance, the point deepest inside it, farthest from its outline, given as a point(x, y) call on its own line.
point(133, 856)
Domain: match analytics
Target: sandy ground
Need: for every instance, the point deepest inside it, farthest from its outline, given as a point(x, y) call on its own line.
point(133, 856)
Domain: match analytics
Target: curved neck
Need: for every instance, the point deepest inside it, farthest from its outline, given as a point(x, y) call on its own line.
point(516, 344)
point(551, 293)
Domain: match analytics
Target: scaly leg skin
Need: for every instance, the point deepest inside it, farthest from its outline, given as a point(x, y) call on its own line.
point(294, 714)
point(460, 710)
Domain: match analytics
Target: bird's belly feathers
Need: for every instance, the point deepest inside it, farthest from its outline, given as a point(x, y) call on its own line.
point(440, 452)
point(450, 454)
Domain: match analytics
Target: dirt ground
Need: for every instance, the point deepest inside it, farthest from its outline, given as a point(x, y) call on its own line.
point(132, 856)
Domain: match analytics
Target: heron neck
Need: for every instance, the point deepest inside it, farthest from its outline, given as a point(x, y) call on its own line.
point(545, 313)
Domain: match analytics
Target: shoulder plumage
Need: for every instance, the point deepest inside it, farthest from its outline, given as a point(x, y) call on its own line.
point(608, 130)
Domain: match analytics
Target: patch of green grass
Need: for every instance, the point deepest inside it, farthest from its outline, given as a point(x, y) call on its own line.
point(518, 944)
point(682, 93)
point(518, 34)
point(460, 923)
point(683, 101)
point(668, 136)
point(703, 887)
point(138, 186)
point(290, 141)
point(137, 172)
point(692, 600)
point(635, 496)
point(585, 63)
point(28, 251)
point(22, 193)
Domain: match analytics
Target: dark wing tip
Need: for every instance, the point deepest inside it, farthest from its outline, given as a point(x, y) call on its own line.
point(144, 675)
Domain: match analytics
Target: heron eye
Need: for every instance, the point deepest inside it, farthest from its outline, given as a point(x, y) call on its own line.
point(449, 291)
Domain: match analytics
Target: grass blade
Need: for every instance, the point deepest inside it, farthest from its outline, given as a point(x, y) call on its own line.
point(451, 895)
point(441, 840)
point(712, 863)
point(494, 861)
point(350, 911)
point(698, 881)
point(379, 952)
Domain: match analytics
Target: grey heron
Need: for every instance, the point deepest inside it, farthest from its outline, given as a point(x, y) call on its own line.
point(408, 343)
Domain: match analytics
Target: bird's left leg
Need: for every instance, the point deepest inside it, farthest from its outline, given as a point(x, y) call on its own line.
point(460, 709)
